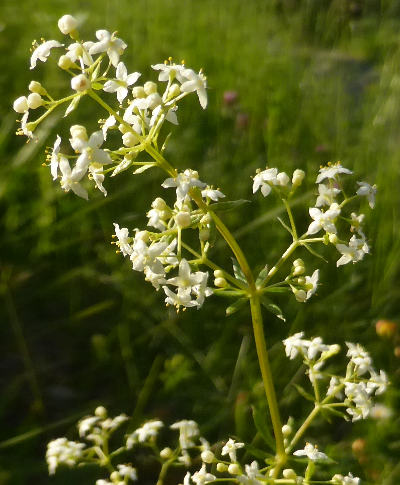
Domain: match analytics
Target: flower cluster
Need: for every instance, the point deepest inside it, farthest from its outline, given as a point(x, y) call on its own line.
point(354, 390)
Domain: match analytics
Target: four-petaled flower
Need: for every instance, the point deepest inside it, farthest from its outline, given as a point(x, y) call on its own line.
point(122, 81)
point(110, 44)
point(330, 172)
point(311, 452)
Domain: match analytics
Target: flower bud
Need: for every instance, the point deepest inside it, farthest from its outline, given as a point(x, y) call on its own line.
point(204, 234)
point(183, 219)
point(298, 262)
point(80, 83)
point(333, 238)
point(159, 204)
point(36, 87)
point(65, 62)
point(386, 328)
point(218, 273)
point(298, 177)
point(150, 87)
point(300, 295)
point(337, 479)
point(174, 91)
point(166, 453)
point(101, 412)
point(138, 92)
point(115, 476)
point(286, 430)
point(67, 24)
point(289, 473)
point(234, 469)
point(207, 456)
point(298, 270)
point(78, 131)
point(154, 100)
point(282, 179)
point(220, 282)
point(21, 104)
point(34, 100)
point(221, 467)
point(301, 281)
point(129, 139)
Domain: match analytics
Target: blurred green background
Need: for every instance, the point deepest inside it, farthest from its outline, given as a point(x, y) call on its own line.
point(316, 80)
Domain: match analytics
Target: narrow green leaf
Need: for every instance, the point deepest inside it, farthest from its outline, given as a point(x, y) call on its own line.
point(237, 305)
point(314, 253)
point(143, 168)
point(272, 307)
point(276, 289)
point(304, 393)
point(262, 274)
point(262, 423)
point(228, 206)
point(237, 271)
point(73, 105)
point(97, 86)
point(334, 411)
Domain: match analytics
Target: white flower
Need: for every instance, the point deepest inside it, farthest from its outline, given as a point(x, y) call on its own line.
point(188, 430)
point(148, 431)
point(127, 471)
point(312, 284)
point(183, 183)
point(110, 121)
point(170, 116)
point(67, 24)
point(111, 424)
point(212, 194)
point(252, 475)
point(62, 451)
point(330, 172)
point(122, 81)
point(369, 191)
point(347, 480)
point(201, 477)
point(323, 220)
point(316, 346)
point(377, 382)
point(332, 389)
point(195, 82)
point(358, 399)
point(21, 104)
point(124, 240)
point(54, 158)
point(110, 44)
point(81, 52)
point(80, 83)
point(311, 452)
point(167, 71)
point(230, 448)
point(295, 344)
point(42, 52)
point(87, 425)
point(265, 179)
point(89, 148)
point(359, 357)
point(70, 178)
point(326, 195)
point(354, 252)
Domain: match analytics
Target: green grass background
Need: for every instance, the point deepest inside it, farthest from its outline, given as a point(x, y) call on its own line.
point(318, 81)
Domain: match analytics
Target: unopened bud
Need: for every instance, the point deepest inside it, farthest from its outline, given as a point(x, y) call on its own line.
point(150, 87)
point(333, 238)
point(207, 456)
point(21, 104)
point(129, 139)
point(218, 273)
point(220, 282)
point(67, 24)
point(337, 478)
point(298, 177)
point(166, 453)
point(78, 131)
point(222, 468)
point(282, 179)
point(65, 62)
point(298, 270)
point(80, 83)
point(234, 469)
point(300, 295)
point(204, 234)
point(36, 87)
point(301, 281)
point(286, 430)
point(298, 262)
point(154, 100)
point(115, 477)
point(289, 473)
point(100, 412)
point(34, 100)
point(183, 219)
point(174, 91)
point(138, 92)
point(159, 204)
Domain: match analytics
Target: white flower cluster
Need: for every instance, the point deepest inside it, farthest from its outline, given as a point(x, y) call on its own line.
point(303, 287)
point(266, 179)
point(63, 452)
point(329, 189)
point(356, 389)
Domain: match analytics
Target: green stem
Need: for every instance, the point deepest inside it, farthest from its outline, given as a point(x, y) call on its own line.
point(292, 224)
point(310, 418)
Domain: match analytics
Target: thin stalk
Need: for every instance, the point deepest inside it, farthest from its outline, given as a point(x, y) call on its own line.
point(292, 224)
point(310, 418)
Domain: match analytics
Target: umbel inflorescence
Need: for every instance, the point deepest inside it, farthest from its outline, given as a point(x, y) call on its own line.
point(131, 138)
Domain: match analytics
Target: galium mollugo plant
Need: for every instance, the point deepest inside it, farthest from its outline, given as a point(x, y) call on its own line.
point(131, 138)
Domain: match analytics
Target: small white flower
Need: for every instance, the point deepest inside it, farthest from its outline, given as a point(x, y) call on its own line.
point(195, 82)
point(377, 382)
point(330, 172)
point(323, 220)
point(62, 451)
point(122, 81)
point(21, 104)
point(326, 195)
point(188, 430)
point(312, 284)
point(124, 240)
point(295, 344)
point(89, 148)
point(42, 52)
point(77, 51)
point(354, 252)
point(230, 448)
point(148, 431)
point(54, 158)
point(359, 357)
point(183, 183)
point(369, 191)
point(332, 389)
point(80, 83)
point(253, 475)
point(70, 178)
point(265, 179)
point(311, 452)
point(127, 471)
point(212, 194)
point(110, 44)
point(170, 71)
point(359, 400)
point(201, 477)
